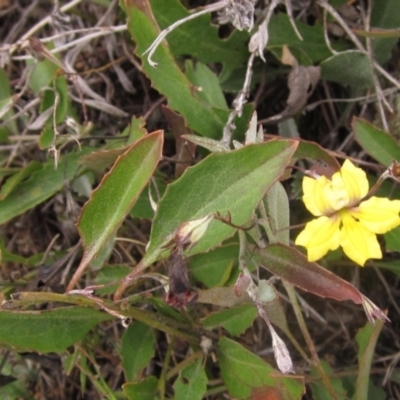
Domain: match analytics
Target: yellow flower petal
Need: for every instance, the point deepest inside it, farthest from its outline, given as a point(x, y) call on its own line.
point(319, 236)
point(347, 187)
point(379, 215)
point(358, 242)
point(355, 181)
point(315, 195)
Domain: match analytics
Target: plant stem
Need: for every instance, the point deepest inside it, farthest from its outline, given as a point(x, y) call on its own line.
point(296, 307)
point(264, 222)
point(155, 320)
point(163, 379)
point(187, 361)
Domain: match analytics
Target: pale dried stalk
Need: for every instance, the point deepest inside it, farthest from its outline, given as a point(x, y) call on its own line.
point(257, 44)
point(47, 20)
point(98, 32)
point(163, 34)
point(288, 4)
point(326, 6)
point(326, 36)
point(381, 100)
point(238, 103)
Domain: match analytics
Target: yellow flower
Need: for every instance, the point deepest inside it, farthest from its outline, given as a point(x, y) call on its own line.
point(343, 219)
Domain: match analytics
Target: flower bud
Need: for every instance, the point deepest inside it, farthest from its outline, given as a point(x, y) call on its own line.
point(189, 233)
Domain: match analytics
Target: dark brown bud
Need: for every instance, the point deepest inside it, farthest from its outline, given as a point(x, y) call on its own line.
point(180, 291)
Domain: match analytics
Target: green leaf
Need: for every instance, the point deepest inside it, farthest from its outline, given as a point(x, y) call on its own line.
point(143, 390)
point(47, 331)
point(314, 151)
point(135, 130)
point(14, 180)
point(109, 275)
point(207, 83)
point(313, 44)
point(142, 207)
point(231, 182)
point(61, 86)
point(137, 349)
point(235, 320)
point(46, 138)
point(392, 239)
point(385, 14)
point(351, 67)
point(5, 101)
point(245, 375)
point(376, 142)
point(366, 339)
point(70, 361)
point(393, 266)
point(319, 390)
point(64, 103)
point(214, 268)
point(169, 80)
point(42, 75)
point(199, 37)
point(102, 215)
point(222, 297)
point(101, 159)
point(42, 185)
point(225, 297)
point(7, 256)
point(83, 377)
point(337, 3)
point(192, 382)
point(277, 206)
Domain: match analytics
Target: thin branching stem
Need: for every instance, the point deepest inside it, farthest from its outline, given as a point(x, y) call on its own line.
point(380, 97)
point(264, 222)
point(288, 4)
point(386, 75)
point(99, 32)
point(325, 5)
point(47, 20)
point(366, 99)
point(238, 103)
point(326, 35)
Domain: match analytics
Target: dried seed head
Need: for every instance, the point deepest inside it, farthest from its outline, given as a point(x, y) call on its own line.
point(206, 345)
point(394, 170)
point(259, 41)
point(373, 312)
point(240, 13)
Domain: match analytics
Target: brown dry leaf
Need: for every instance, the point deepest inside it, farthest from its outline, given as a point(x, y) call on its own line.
point(185, 151)
point(301, 82)
point(5, 3)
point(102, 159)
point(287, 57)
